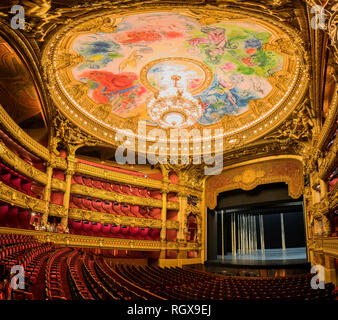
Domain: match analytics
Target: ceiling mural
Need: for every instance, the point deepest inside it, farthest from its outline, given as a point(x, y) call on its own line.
point(226, 71)
point(234, 52)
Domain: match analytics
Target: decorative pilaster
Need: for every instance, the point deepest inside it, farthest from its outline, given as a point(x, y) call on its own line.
point(66, 198)
point(163, 225)
point(47, 192)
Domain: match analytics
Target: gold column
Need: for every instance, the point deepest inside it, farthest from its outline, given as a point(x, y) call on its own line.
point(163, 225)
point(323, 189)
point(183, 202)
point(330, 270)
point(66, 197)
point(47, 192)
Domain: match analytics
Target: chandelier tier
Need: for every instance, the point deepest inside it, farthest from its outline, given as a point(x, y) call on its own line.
point(174, 107)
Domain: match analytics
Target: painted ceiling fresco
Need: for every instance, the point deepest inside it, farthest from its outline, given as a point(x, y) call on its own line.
point(225, 65)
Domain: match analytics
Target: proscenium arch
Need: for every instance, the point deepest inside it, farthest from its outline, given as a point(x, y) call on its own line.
point(250, 174)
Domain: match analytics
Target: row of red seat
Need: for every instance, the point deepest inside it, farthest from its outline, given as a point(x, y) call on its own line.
point(123, 209)
point(16, 180)
point(107, 230)
point(14, 217)
point(116, 187)
point(177, 283)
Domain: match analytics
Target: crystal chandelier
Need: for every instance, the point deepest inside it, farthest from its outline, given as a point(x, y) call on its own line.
point(175, 107)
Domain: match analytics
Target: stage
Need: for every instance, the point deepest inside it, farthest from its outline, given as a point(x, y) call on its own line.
point(271, 258)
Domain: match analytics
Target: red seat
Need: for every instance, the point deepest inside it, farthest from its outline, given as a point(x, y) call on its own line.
point(86, 226)
point(105, 228)
point(155, 212)
point(78, 179)
point(143, 232)
point(96, 227)
point(77, 225)
point(156, 194)
point(107, 206)
point(77, 201)
point(27, 188)
point(6, 178)
point(125, 230)
point(154, 233)
point(135, 191)
point(97, 184)
point(144, 193)
point(16, 183)
point(134, 231)
point(87, 181)
point(97, 204)
point(115, 229)
point(116, 188)
point(117, 208)
point(126, 189)
point(135, 210)
point(125, 208)
point(107, 186)
point(87, 203)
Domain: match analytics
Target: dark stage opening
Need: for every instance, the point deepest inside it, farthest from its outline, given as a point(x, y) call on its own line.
point(261, 227)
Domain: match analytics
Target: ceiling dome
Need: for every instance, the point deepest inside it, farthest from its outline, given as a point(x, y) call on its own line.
point(108, 72)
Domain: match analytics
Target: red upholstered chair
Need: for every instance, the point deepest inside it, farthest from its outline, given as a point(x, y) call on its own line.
point(143, 232)
point(116, 187)
point(77, 200)
point(125, 208)
point(144, 211)
point(23, 219)
point(16, 183)
point(144, 192)
point(126, 189)
point(125, 230)
point(87, 203)
point(154, 233)
point(97, 184)
point(115, 229)
point(107, 206)
point(77, 226)
point(97, 205)
point(107, 186)
point(156, 194)
point(105, 230)
point(27, 188)
point(87, 181)
point(135, 191)
point(117, 208)
point(86, 227)
point(134, 231)
point(12, 216)
point(78, 179)
point(3, 213)
point(96, 227)
point(6, 178)
point(135, 210)
point(155, 212)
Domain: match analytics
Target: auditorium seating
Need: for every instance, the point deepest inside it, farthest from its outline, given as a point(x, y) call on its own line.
point(58, 273)
point(16, 180)
point(117, 187)
point(115, 231)
point(14, 217)
point(106, 206)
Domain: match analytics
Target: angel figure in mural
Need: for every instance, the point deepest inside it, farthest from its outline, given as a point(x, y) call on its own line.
point(216, 41)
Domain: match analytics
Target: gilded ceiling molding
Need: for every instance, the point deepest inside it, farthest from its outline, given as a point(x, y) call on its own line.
point(249, 176)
